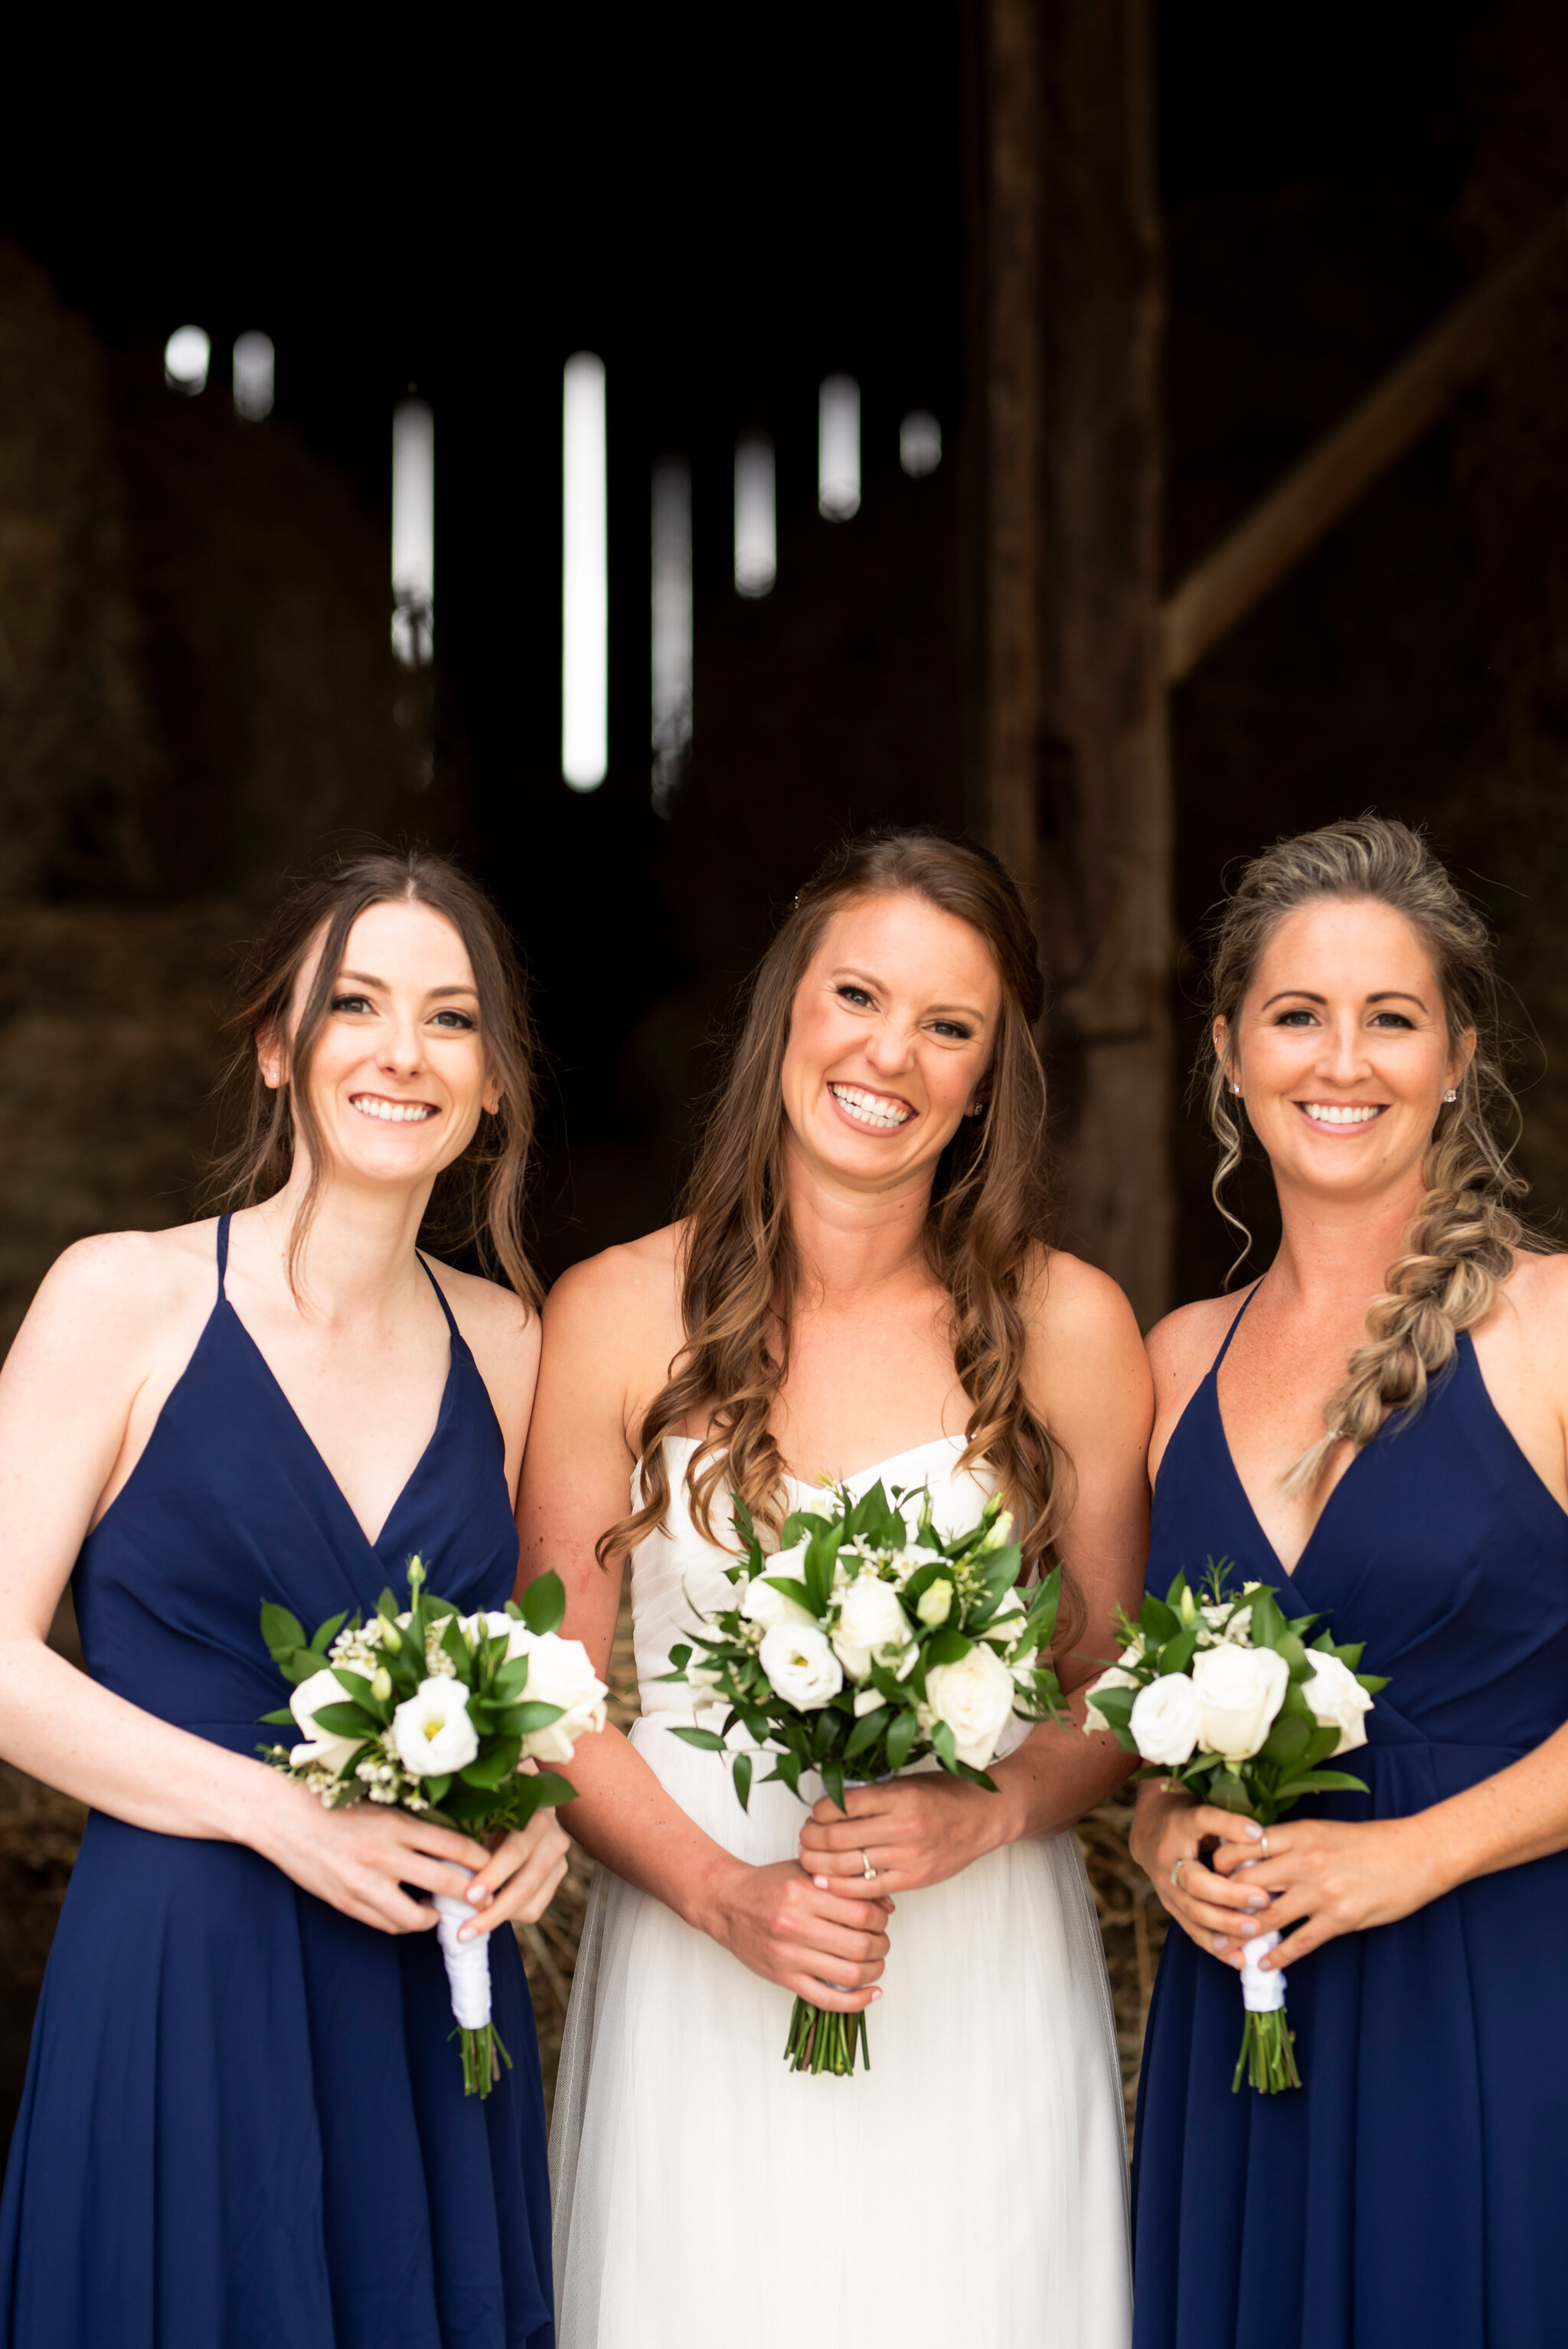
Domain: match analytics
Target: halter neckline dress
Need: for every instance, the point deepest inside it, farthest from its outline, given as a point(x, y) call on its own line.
point(244, 2124)
point(971, 2188)
point(1408, 2191)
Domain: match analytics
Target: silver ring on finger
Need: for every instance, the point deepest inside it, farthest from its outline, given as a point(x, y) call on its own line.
point(867, 1870)
point(1176, 1868)
point(1265, 1846)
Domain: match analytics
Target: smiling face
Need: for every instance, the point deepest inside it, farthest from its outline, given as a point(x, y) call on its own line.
point(1342, 1048)
point(399, 1073)
point(892, 1033)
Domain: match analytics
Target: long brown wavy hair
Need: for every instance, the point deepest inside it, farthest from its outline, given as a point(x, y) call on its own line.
point(478, 1200)
point(1464, 1235)
point(984, 1231)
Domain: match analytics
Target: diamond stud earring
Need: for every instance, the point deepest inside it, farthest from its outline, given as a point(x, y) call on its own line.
point(1450, 1094)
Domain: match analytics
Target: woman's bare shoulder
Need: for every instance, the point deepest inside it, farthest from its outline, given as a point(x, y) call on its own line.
point(638, 1277)
point(1182, 1346)
point(111, 1303)
point(1065, 1298)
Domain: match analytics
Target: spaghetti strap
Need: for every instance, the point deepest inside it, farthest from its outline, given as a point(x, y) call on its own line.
point(1235, 1325)
point(222, 1253)
point(442, 1299)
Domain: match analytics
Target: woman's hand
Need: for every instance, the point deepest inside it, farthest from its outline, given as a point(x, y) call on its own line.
point(915, 1831)
point(1168, 1830)
point(517, 1881)
point(358, 1859)
point(1330, 1876)
point(827, 1947)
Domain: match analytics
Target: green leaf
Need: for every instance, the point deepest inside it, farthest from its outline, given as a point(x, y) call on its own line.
point(283, 1720)
point(545, 1604)
point(787, 1767)
point(454, 1645)
point(790, 1588)
point(492, 1769)
point(1228, 1793)
point(523, 1720)
point(743, 1518)
point(1373, 1682)
point(1269, 1627)
point(388, 1606)
point(299, 1664)
point(282, 1631)
point(1326, 1781)
point(435, 1789)
point(945, 1750)
point(1177, 1653)
point(1157, 1621)
point(901, 1739)
point(326, 1632)
point(833, 1780)
point(741, 1774)
point(1288, 1740)
point(347, 1721)
point(707, 1740)
point(867, 1731)
point(948, 1647)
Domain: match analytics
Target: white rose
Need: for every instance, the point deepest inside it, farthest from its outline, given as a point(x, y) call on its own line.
point(560, 1672)
point(325, 1746)
point(758, 1604)
point(975, 1698)
point(432, 1732)
point(1165, 1719)
point(1112, 1679)
point(1240, 1690)
point(1337, 1699)
point(871, 1623)
point(800, 1666)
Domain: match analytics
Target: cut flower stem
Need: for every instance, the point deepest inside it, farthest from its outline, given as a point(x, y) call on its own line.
point(820, 2040)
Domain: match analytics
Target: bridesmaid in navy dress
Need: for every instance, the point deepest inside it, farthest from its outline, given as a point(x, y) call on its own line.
point(244, 2125)
point(1380, 1432)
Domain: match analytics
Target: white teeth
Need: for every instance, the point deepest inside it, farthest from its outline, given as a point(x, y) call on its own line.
point(1340, 1113)
point(870, 1109)
point(393, 1112)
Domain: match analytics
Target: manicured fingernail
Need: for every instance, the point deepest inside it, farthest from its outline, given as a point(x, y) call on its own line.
point(476, 1892)
point(1244, 1926)
point(820, 1882)
point(466, 1932)
point(876, 1993)
point(1221, 1943)
point(1258, 1900)
point(1253, 1832)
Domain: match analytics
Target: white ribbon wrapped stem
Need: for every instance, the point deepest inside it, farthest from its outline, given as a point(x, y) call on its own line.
point(468, 1962)
point(1262, 1992)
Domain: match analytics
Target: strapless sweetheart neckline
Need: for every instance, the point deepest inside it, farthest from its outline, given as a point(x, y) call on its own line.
point(858, 1476)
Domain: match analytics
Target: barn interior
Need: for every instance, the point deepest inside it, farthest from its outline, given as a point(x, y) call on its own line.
point(1243, 333)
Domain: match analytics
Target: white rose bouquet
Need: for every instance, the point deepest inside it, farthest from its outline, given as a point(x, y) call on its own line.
point(1223, 1696)
point(445, 1714)
point(866, 1643)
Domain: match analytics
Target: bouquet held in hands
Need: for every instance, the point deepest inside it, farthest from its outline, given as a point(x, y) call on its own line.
point(868, 1643)
point(447, 1716)
point(1224, 1697)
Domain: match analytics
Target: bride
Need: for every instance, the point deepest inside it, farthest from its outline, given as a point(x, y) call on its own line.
point(859, 1288)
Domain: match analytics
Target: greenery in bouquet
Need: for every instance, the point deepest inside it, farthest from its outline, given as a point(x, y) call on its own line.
point(447, 1716)
point(867, 1642)
point(1223, 1695)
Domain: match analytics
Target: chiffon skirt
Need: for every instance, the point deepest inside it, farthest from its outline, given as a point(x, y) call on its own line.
point(972, 2187)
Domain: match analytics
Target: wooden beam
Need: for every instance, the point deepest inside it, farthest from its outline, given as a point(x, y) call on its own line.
point(1069, 779)
point(1307, 503)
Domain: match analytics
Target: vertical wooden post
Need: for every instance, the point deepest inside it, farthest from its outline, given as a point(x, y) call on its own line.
point(1069, 769)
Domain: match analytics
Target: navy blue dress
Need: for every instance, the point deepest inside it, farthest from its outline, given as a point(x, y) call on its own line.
point(1411, 2191)
point(244, 2125)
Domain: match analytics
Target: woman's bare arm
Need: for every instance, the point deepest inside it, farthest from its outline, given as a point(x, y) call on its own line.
point(606, 1322)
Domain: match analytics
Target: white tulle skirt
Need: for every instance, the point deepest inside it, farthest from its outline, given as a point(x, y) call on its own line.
point(970, 2189)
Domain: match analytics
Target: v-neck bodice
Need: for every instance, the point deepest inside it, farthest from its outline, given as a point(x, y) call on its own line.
point(232, 1503)
point(1440, 1548)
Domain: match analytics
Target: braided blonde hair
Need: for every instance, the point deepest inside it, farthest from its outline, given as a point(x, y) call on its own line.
point(1464, 1236)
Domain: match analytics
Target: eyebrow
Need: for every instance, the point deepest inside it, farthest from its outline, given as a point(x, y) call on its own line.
point(1384, 995)
point(363, 978)
point(965, 1010)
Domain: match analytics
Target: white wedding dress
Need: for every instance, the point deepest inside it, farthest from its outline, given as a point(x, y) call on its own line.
point(969, 2191)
